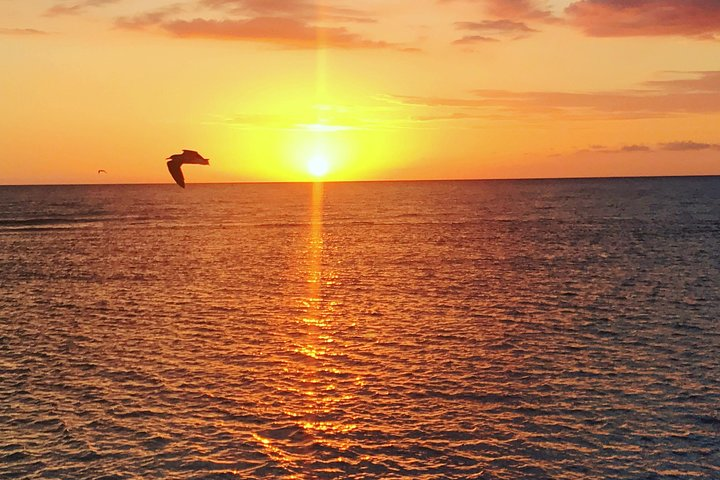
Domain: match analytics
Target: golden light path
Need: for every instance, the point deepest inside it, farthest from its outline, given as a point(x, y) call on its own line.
point(314, 370)
point(318, 320)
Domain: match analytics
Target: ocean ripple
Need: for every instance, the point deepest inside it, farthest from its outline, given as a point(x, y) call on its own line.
point(430, 330)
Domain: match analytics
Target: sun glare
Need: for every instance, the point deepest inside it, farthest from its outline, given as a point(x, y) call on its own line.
point(318, 165)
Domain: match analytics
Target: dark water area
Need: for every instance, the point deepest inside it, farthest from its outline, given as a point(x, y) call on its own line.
point(555, 329)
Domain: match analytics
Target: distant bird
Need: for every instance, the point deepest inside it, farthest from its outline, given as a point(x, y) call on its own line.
point(177, 161)
point(101, 171)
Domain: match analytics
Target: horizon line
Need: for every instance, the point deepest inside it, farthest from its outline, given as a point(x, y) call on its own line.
point(276, 182)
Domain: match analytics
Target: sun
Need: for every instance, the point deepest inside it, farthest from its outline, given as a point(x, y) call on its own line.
point(318, 165)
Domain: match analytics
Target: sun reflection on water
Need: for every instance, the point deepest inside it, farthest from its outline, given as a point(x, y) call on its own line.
point(318, 341)
point(313, 391)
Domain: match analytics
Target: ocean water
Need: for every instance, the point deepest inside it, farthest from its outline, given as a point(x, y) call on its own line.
point(565, 329)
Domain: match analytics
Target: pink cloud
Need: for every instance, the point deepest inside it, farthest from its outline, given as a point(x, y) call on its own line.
point(512, 9)
point(517, 9)
point(625, 18)
point(508, 19)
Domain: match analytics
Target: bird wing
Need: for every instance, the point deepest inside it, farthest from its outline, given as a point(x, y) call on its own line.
point(176, 172)
point(191, 156)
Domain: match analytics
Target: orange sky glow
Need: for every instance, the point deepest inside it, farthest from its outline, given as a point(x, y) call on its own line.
point(292, 90)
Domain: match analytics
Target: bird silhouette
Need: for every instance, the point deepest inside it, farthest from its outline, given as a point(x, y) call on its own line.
point(101, 171)
point(179, 159)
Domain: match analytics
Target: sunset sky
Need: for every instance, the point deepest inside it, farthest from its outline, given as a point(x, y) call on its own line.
point(376, 89)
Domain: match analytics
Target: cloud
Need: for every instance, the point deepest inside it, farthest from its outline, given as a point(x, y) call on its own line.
point(518, 9)
point(489, 31)
point(327, 119)
point(688, 145)
point(441, 118)
point(620, 102)
point(21, 31)
point(523, 10)
point(474, 39)
point(76, 8)
point(700, 82)
point(296, 9)
point(148, 19)
point(269, 121)
point(698, 19)
point(681, 146)
point(296, 123)
point(695, 95)
point(634, 148)
point(496, 27)
point(509, 20)
point(628, 18)
point(296, 24)
point(273, 30)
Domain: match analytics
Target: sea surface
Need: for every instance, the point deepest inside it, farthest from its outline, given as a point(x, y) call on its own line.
point(555, 329)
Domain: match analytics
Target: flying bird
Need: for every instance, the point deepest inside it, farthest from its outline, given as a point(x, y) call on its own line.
point(101, 171)
point(177, 161)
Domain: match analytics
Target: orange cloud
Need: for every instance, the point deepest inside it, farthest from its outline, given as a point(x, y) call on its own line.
point(274, 30)
point(297, 9)
point(474, 39)
point(148, 19)
point(496, 26)
point(677, 146)
point(76, 8)
point(623, 18)
point(700, 94)
point(298, 24)
point(688, 145)
point(702, 82)
point(624, 149)
point(488, 30)
point(21, 31)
